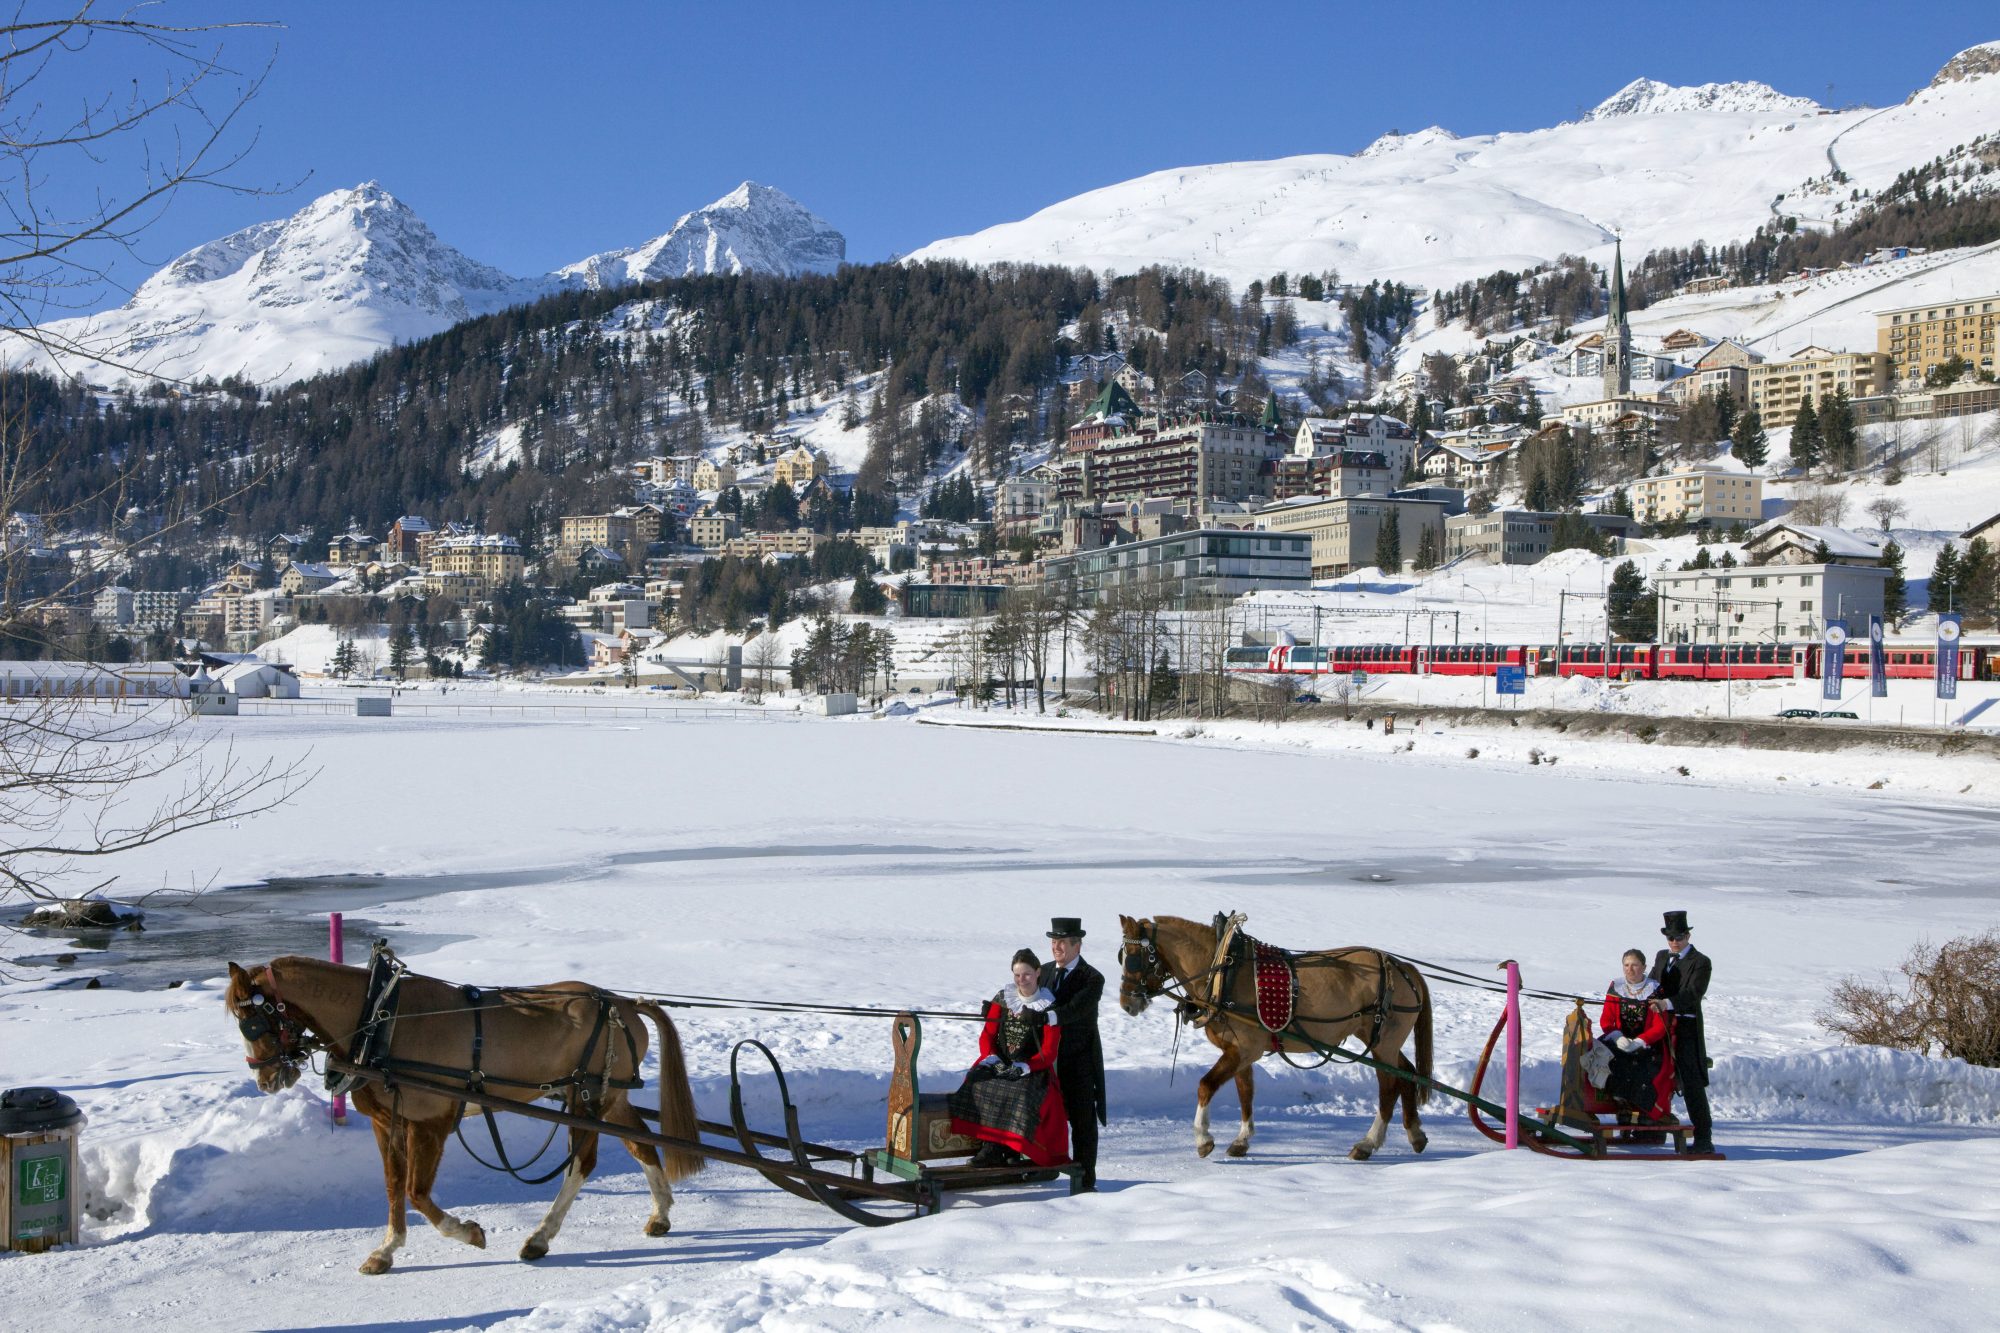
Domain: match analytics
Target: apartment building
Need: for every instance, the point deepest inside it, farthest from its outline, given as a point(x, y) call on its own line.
point(713, 475)
point(1601, 412)
point(798, 466)
point(614, 531)
point(1701, 493)
point(489, 560)
point(1709, 382)
point(141, 610)
point(1331, 475)
point(757, 545)
point(1915, 338)
point(1776, 388)
point(1521, 536)
point(1766, 603)
point(710, 531)
point(1343, 532)
point(1204, 567)
point(1191, 459)
point(1361, 433)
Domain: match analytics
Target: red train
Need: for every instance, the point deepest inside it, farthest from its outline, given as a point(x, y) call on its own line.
point(1977, 660)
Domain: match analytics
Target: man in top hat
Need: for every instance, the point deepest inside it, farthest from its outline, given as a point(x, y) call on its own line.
point(1682, 971)
point(1077, 987)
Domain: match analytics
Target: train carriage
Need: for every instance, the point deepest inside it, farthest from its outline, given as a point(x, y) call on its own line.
point(1474, 659)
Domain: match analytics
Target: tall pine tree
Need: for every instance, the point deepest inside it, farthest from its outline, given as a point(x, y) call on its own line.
point(1747, 439)
point(1840, 438)
point(1944, 580)
point(1896, 590)
point(1808, 447)
point(1389, 542)
point(1630, 607)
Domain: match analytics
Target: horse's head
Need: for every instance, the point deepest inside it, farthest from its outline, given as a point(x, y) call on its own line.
point(1142, 974)
point(274, 1042)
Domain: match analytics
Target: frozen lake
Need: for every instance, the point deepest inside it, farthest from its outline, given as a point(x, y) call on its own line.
point(890, 864)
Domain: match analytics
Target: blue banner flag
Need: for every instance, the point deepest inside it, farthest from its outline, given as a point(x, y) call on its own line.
point(1878, 660)
point(1832, 659)
point(1947, 655)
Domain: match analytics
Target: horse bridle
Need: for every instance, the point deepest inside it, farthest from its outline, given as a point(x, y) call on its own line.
point(265, 1015)
point(1141, 966)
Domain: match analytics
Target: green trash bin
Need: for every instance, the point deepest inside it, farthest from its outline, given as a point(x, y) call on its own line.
point(38, 1130)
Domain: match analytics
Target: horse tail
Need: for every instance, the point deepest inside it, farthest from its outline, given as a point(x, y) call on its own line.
point(1423, 1040)
point(677, 1114)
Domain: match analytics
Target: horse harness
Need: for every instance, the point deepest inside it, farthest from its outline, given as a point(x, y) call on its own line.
point(373, 1036)
point(1274, 977)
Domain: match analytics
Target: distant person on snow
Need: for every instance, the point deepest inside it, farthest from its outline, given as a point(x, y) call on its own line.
point(1010, 1100)
point(1077, 987)
point(1682, 971)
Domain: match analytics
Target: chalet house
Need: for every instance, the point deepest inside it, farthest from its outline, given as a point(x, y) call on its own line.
point(1781, 543)
point(351, 548)
point(302, 577)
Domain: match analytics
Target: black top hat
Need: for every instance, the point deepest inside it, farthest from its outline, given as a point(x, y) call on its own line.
point(1677, 925)
point(1066, 928)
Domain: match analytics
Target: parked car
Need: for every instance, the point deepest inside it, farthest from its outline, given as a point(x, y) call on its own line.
point(1798, 714)
point(1850, 717)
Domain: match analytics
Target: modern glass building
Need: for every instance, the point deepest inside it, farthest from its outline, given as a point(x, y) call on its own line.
point(1192, 569)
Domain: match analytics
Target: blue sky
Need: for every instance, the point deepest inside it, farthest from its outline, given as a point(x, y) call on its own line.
point(531, 135)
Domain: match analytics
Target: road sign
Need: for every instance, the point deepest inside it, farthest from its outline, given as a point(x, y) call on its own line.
point(1358, 679)
point(1510, 680)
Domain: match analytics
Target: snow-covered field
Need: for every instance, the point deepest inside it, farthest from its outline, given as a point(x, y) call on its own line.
point(888, 863)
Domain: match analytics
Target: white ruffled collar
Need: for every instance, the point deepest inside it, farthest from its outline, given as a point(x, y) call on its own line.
point(1016, 1002)
point(1626, 991)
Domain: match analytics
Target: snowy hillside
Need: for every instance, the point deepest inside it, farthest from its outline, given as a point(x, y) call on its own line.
point(1430, 209)
point(753, 228)
point(357, 270)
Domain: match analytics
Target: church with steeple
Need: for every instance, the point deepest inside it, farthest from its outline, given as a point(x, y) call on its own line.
point(1617, 333)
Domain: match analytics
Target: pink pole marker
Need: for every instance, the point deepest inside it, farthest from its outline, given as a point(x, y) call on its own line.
point(1513, 1053)
point(335, 952)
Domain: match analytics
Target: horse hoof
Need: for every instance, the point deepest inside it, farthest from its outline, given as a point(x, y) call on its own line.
point(1239, 1150)
point(1204, 1149)
point(1419, 1142)
point(475, 1235)
point(533, 1250)
point(1360, 1153)
point(376, 1265)
point(659, 1226)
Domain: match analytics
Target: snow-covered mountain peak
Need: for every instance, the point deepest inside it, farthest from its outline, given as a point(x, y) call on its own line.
point(1972, 63)
point(753, 228)
point(1396, 139)
point(1650, 97)
point(346, 245)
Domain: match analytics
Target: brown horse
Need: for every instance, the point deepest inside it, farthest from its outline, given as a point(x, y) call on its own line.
point(528, 1039)
point(1340, 995)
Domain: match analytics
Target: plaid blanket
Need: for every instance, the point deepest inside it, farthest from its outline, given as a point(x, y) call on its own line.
point(1010, 1105)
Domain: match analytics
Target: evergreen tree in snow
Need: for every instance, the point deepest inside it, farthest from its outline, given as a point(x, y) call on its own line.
point(1808, 448)
point(1631, 608)
point(1896, 591)
point(1748, 441)
point(1389, 543)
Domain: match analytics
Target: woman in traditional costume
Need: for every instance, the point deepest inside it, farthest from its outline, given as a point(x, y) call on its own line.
point(1635, 1033)
point(1010, 1100)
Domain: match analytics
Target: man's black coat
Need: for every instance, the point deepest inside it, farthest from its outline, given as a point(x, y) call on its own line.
point(1684, 983)
point(1079, 1059)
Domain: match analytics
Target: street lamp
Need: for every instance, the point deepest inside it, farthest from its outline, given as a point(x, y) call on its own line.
point(1484, 603)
